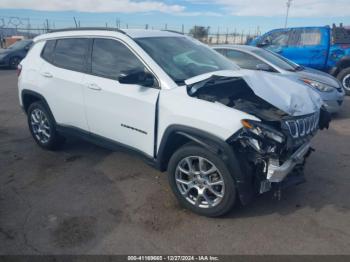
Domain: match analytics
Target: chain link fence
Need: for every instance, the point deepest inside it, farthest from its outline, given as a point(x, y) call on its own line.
point(21, 27)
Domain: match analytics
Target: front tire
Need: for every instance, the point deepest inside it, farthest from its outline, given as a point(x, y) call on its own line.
point(344, 78)
point(42, 127)
point(201, 181)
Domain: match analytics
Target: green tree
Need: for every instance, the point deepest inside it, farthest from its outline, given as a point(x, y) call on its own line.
point(199, 32)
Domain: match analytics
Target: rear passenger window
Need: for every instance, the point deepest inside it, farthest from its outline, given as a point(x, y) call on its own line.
point(110, 58)
point(71, 53)
point(244, 60)
point(48, 50)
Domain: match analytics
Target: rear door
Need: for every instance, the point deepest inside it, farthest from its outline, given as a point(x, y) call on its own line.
point(309, 46)
point(124, 113)
point(61, 77)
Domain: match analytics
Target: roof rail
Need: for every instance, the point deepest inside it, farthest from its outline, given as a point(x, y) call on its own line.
point(173, 31)
point(87, 29)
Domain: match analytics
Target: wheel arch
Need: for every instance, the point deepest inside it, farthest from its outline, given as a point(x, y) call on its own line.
point(176, 136)
point(342, 64)
point(29, 97)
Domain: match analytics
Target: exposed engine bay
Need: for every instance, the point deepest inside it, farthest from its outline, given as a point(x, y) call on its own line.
point(269, 149)
point(235, 93)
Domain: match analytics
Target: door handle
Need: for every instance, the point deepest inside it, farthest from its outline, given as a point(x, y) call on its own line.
point(47, 74)
point(94, 86)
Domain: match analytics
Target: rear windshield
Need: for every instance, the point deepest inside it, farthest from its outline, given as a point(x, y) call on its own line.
point(182, 58)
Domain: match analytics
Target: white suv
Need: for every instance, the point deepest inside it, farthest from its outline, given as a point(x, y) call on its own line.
point(224, 134)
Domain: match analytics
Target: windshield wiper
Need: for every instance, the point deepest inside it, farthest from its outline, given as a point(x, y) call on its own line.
point(180, 82)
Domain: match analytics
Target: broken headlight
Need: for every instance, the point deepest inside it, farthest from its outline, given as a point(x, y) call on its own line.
point(262, 131)
point(318, 85)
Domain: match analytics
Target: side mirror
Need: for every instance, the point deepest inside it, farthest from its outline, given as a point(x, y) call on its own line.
point(263, 67)
point(265, 42)
point(137, 77)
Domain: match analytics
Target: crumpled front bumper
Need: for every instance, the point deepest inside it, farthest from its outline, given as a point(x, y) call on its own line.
point(277, 173)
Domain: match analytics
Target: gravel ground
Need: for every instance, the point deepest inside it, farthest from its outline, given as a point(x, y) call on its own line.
point(85, 199)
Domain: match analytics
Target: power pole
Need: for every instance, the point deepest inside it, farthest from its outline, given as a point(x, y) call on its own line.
point(75, 22)
point(289, 2)
point(47, 25)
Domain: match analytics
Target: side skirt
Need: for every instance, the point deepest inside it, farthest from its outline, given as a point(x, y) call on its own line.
point(104, 142)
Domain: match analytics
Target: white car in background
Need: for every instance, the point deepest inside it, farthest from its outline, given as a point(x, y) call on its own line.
point(223, 134)
point(254, 58)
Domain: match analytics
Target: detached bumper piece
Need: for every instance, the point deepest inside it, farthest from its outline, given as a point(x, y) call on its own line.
point(290, 173)
point(276, 173)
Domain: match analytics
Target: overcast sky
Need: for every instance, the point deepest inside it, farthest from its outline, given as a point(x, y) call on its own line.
point(241, 14)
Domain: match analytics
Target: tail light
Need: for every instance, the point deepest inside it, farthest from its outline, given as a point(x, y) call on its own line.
point(19, 69)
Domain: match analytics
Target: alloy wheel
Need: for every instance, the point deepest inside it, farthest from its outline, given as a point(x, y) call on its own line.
point(40, 126)
point(200, 182)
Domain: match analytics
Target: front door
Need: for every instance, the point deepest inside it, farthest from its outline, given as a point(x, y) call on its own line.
point(124, 113)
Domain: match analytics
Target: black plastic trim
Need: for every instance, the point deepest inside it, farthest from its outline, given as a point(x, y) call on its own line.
point(87, 29)
point(102, 141)
point(156, 124)
point(40, 98)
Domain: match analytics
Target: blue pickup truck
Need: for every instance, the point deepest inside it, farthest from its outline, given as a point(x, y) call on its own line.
point(323, 48)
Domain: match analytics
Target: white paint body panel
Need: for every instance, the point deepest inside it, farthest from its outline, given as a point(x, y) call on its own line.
point(64, 94)
point(116, 106)
point(177, 108)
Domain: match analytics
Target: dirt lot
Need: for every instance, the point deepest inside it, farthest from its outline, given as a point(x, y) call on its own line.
point(85, 199)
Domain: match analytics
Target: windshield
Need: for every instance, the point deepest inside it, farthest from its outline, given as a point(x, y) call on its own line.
point(20, 44)
point(277, 60)
point(182, 58)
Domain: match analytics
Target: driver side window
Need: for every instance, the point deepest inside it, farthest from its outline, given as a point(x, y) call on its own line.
point(110, 58)
point(278, 38)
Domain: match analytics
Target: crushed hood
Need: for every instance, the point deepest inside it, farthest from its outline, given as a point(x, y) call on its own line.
point(293, 98)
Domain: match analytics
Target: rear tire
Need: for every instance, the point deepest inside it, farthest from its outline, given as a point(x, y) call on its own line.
point(42, 127)
point(344, 78)
point(201, 181)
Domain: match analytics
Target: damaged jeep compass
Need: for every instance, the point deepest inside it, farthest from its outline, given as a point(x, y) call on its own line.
point(223, 134)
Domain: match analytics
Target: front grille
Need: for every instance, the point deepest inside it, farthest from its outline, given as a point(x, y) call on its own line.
point(303, 126)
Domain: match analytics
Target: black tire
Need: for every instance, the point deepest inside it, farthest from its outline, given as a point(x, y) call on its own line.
point(14, 61)
point(344, 76)
point(229, 197)
point(55, 140)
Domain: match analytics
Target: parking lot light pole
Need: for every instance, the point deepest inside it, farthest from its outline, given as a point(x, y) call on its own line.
point(288, 6)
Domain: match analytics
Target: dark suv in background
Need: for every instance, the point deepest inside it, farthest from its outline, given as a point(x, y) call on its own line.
point(12, 56)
